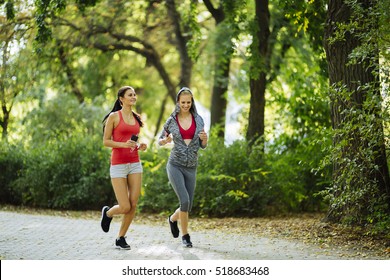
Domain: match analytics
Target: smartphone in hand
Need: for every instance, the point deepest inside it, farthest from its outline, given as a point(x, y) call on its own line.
point(134, 138)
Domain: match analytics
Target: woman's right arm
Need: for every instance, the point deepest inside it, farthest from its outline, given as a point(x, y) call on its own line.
point(165, 137)
point(165, 140)
point(107, 136)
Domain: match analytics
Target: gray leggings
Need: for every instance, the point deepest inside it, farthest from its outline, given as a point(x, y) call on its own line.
point(183, 181)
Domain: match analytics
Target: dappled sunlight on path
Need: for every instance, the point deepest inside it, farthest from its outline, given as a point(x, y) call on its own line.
point(47, 237)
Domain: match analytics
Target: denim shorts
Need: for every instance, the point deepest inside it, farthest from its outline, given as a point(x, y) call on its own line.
point(122, 170)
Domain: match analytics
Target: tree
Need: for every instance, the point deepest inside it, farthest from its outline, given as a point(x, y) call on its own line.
point(71, 26)
point(183, 36)
point(15, 34)
point(144, 38)
point(292, 23)
point(258, 70)
point(361, 185)
point(181, 40)
point(225, 17)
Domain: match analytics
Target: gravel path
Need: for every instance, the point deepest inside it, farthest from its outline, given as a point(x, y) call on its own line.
point(43, 237)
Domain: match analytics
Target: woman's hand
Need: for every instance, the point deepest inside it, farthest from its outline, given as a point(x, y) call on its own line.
point(130, 144)
point(167, 139)
point(142, 147)
point(203, 137)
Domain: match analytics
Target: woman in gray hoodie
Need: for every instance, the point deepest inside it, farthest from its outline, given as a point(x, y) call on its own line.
point(186, 129)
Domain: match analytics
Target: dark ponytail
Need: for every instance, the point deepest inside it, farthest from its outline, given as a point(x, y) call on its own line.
point(118, 106)
point(138, 118)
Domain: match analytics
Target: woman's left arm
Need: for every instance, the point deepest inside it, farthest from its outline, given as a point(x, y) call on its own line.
point(143, 147)
point(203, 139)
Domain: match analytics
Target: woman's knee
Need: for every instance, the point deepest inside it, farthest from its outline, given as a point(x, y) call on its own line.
point(185, 206)
point(124, 209)
point(133, 205)
point(127, 208)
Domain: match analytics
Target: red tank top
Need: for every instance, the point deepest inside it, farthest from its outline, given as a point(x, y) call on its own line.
point(122, 133)
point(190, 132)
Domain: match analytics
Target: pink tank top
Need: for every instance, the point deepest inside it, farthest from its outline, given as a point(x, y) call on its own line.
point(122, 133)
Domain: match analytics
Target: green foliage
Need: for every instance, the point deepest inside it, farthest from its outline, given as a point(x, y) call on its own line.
point(299, 123)
point(68, 174)
point(57, 159)
point(295, 179)
point(308, 17)
point(66, 167)
point(359, 193)
point(61, 162)
point(190, 22)
point(61, 116)
point(72, 173)
point(228, 184)
point(231, 183)
point(356, 196)
point(47, 9)
point(11, 164)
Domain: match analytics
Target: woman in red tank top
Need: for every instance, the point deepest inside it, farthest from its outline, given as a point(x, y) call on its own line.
point(121, 129)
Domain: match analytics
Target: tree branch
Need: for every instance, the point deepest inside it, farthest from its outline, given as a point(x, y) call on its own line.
point(217, 14)
point(120, 41)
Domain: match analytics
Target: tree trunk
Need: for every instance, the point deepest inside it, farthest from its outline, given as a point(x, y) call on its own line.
point(69, 73)
point(223, 51)
point(352, 78)
point(218, 98)
point(4, 124)
point(181, 44)
point(3, 100)
point(258, 80)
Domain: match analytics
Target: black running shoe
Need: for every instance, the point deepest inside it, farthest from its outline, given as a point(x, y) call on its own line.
point(186, 241)
point(174, 228)
point(122, 244)
point(106, 221)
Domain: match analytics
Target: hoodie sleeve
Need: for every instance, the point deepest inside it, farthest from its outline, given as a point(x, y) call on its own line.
point(200, 122)
point(165, 131)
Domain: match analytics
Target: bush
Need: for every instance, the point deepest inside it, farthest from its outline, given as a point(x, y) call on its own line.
point(237, 180)
point(231, 183)
point(66, 174)
point(11, 165)
point(359, 192)
point(294, 178)
point(73, 173)
point(228, 184)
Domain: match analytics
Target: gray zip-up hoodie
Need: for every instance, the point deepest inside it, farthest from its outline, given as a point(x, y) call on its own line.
point(182, 154)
